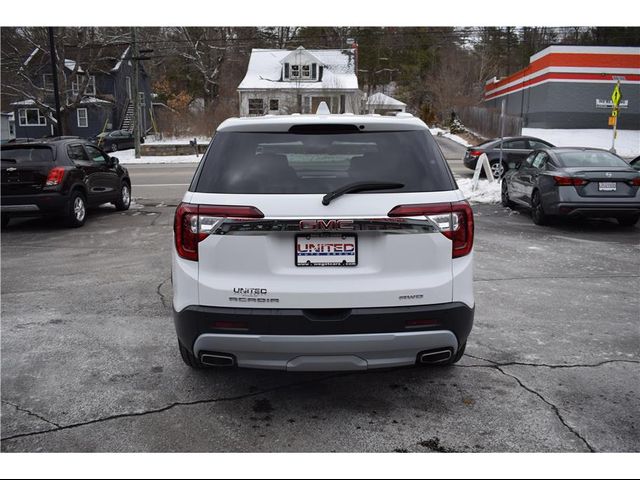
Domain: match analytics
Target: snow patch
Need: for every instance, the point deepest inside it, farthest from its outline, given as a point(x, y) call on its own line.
point(627, 143)
point(127, 157)
point(486, 192)
point(437, 131)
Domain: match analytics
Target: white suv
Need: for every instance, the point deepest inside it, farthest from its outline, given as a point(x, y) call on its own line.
point(323, 242)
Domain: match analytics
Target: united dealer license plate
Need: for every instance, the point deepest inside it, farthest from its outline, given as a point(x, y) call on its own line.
point(607, 186)
point(326, 250)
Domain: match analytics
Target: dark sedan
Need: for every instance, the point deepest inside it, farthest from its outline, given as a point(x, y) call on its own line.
point(115, 140)
point(514, 149)
point(574, 182)
point(60, 177)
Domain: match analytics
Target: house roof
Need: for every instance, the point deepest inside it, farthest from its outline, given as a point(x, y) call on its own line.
point(384, 100)
point(265, 70)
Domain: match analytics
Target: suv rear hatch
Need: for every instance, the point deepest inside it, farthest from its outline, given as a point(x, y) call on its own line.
point(284, 246)
point(25, 168)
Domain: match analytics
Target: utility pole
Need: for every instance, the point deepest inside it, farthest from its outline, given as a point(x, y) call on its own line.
point(135, 56)
point(54, 74)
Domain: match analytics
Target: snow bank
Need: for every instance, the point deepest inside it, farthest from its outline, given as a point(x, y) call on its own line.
point(487, 192)
point(176, 140)
point(443, 133)
point(627, 143)
point(127, 157)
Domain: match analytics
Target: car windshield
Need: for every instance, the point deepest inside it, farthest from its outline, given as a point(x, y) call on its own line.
point(590, 158)
point(241, 162)
point(30, 154)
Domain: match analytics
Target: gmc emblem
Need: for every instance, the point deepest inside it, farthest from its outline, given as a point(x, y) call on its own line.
point(326, 225)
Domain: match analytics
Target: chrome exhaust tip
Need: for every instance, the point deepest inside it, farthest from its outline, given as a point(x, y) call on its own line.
point(217, 360)
point(436, 356)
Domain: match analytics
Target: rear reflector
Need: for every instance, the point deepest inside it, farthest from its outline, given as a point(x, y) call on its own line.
point(421, 323)
point(194, 223)
point(455, 221)
point(56, 174)
point(568, 181)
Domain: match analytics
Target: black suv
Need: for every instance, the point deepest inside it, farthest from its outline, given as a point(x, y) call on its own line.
point(60, 176)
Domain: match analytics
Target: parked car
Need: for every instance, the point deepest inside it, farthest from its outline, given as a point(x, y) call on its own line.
point(62, 177)
point(115, 140)
point(635, 163)
point(514, 150)
point(574, 182)
point(310, 243)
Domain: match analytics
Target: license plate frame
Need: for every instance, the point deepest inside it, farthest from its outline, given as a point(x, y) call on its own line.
point(349, 260)
point(607, 186)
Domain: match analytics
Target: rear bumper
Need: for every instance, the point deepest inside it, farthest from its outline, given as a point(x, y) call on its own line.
point(36, 204)
point(585, 209)
point(319, 339)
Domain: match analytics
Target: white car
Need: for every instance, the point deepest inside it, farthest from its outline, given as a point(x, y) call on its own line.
point(323, 243)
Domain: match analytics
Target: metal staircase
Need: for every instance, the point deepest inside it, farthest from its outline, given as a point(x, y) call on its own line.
point(127, 118)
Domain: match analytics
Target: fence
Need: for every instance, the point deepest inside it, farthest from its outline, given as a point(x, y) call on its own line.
point(486, 122)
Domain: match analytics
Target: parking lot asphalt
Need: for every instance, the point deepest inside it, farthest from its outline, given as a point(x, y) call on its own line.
point(90, 359)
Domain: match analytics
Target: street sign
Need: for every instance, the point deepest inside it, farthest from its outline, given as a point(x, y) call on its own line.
point(615, 96)
point(614, 112)
point(612, 121)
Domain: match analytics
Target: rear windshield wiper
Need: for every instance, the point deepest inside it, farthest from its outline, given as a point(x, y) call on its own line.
point(359, 187)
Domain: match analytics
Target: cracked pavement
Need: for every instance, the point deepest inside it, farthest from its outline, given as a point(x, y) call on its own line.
point(90, 361)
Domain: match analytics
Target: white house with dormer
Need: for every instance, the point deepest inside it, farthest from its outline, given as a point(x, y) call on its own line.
point(280, 82)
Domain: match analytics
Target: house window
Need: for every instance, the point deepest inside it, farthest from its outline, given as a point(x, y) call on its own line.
point(47, 81)
point(141, 97)
point(90, 89)
point(295, 71)
point(128, 83)
point(83, 117)
point(31, 117)
point(274, 104)
point(256, 106)
point(306, 71)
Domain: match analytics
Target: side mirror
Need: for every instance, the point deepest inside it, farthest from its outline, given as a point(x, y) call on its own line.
point(113, 161)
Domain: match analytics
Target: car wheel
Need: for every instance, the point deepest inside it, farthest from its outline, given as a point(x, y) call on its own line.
point(189, 359)
point(506, 202)
point(5, 220)
point(628, 221)
point(114, 147)
point(537, 211)
point(497, 169)
point(124, 200)
point(76, 210)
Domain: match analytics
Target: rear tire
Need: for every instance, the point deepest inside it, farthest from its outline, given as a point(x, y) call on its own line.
point(506, 202)
point(5, 220)
point(76, 210)
point(498, 169)
point(537, 212)
point(189, 359)
point(124, 200)
point(114, 147)
point(628, 221)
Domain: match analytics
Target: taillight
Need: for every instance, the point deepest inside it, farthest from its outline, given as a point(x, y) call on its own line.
point(194, 223)
point(635, 182)
point(476, 153)
point(455, 221)
point(568, 181)
point(56, 174)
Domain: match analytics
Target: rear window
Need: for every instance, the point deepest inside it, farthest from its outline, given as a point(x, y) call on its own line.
point(263, 163)
point(590, 158)
point(30, 154)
